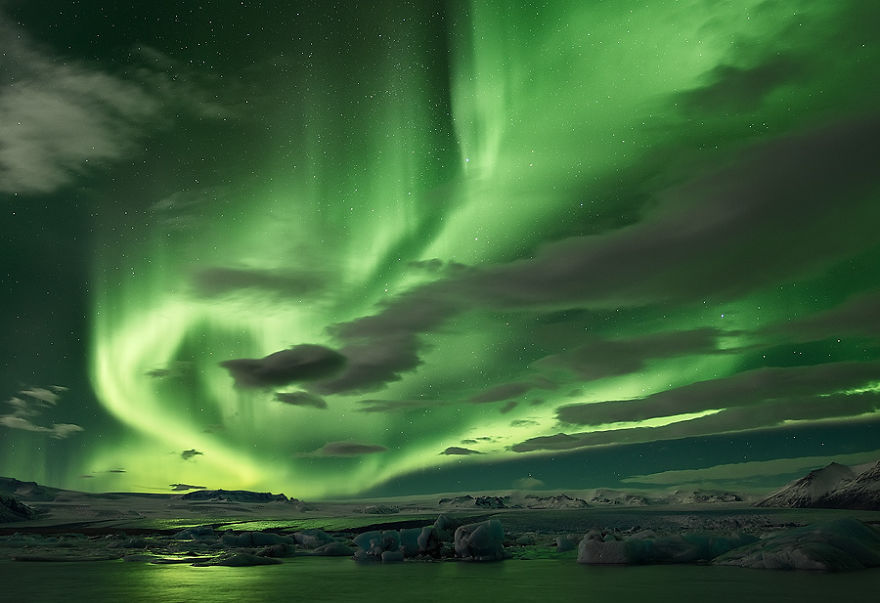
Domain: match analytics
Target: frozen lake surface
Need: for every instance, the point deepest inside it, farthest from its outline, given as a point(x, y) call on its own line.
point(340, 579)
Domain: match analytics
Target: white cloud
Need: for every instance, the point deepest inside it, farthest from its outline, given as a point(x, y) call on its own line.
point(62, 118)
point(30, 404)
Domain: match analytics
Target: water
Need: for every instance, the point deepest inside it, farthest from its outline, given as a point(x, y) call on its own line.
point(335, 579)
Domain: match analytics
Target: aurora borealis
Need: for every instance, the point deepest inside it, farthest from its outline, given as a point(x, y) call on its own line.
point(384, 248)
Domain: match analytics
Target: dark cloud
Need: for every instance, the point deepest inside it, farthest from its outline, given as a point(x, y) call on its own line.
point(188, 454)
point(184, 487)
point(732, 88)
point(380, 348)
point(468, 441)
point(398, 405)
point(213, 282)
point(751, 388)
point(607, 358)
point(301, 399)
point(775, 195)
point(304, 362)
point(858, 316)
point(347, 449)
point(768, 414)
point(373, 363)
point(507, 407)
point(515, 389)
point(502, 392)
point(456, 450)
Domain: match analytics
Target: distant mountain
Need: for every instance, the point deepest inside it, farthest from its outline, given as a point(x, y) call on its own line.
point(530, 501)
point(863, 492)
point(617, 497)
point(835, 486)
point(483, 502)
point(701, 497)
point(27, 490)
point(235, 496)
point(560, 501)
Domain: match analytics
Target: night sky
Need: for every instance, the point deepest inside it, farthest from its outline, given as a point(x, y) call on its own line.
point(392, 248)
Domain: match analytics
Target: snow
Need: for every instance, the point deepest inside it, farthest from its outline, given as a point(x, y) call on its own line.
point(810, 489)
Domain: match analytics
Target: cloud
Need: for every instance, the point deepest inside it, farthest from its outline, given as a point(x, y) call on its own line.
point(528, 483)
point(184, 487)
point(733, 88)
point(457, 450)
point(33, 403)
point(372, 364)
point(63, 118)
point(602, 358)
point(300, 363)
point(468, 441)
point(523, 423)
point(40, 393)
point(58, 431)
point(507, 407)
point(502, 392)
point(398, 405)
point(191, 453)
point(215, 282)
point(858, 316)
point(342, 449)
point(751, 388)
point(775, 195)
point(766, 414)
point(301, 399)
point(382, 347)
point(752, 469)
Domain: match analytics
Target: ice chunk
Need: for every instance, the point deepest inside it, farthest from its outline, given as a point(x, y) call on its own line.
point(332, 549)
point(277, 550)
point(201, 533)
point(601, 549)
point(253, 539)
point(376, 543)
point(392, 556)
point(370, 542)
point(429, 541)
point(841, 544)
point(409, 541)
point(482, 541)
point(445, 527)
point(311, 539)
point(598, 548)
point(566, 543)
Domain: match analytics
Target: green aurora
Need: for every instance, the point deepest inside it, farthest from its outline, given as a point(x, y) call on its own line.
point(489, 244)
